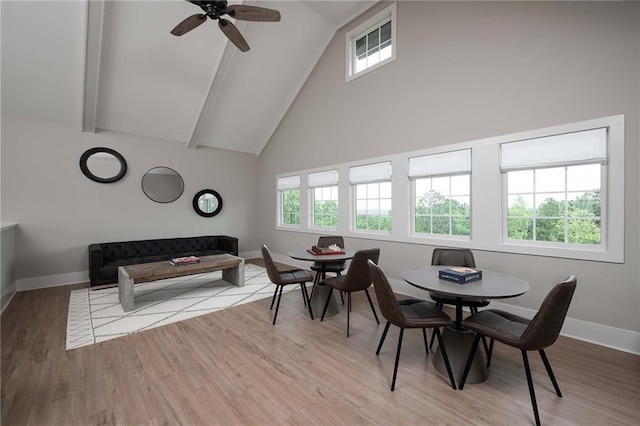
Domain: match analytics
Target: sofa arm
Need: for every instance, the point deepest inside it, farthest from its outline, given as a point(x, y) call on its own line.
point(96, 260)
point(228, 244)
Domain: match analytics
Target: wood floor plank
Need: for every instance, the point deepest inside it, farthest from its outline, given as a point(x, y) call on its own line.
point(234, 367)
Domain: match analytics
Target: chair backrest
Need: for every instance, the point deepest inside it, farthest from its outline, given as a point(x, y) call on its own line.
point(269, 264)
point(387, 300)
point(358, 277)
point(544, 328)
point(327, 240)
point(453, 257)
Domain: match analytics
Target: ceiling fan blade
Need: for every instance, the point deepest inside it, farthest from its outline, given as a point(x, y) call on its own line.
point(233, 34)
point(188, 24)
point(253, 13)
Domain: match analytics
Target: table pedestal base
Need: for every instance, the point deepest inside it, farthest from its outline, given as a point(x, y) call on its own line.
point(319, 298)
point(458, 344)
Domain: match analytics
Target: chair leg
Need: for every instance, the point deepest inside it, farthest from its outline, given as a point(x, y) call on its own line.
point(384, 335)
point(273, 299)
point(342, 298)
point(326, 304)
point(467, 367)
point(371, 304)
point(307, 300)
point(316, 280)
point(490, 353)
point(424, 336)
point(348, 311)
point(550, 372)
point(304, 299)
point(532, 392)
point(433, 338)
point(395, 367)
point(278, 304)
point(445, 357)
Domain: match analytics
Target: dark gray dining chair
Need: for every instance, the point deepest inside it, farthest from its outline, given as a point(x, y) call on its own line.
point(282, 278)
point(524, 334)
point(357, 279)
point(321, 268)
point(408, 313)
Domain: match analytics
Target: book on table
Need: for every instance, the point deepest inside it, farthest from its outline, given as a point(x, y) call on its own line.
point(323, 251)
point(460, 274)
point(187, 260)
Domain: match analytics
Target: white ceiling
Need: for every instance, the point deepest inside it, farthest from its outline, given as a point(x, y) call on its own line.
point(113, 65)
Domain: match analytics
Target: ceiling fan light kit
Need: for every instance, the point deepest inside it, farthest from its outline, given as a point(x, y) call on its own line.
point(215, 9)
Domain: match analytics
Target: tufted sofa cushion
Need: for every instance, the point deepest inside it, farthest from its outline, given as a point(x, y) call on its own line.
point(105, 258)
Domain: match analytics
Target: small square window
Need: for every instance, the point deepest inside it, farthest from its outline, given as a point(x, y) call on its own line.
point(371, 44)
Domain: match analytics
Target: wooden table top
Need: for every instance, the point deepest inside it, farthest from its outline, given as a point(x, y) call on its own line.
point(145, 272)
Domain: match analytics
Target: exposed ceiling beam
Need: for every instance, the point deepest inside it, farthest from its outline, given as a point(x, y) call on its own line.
point(218, 79)
point(95, 17)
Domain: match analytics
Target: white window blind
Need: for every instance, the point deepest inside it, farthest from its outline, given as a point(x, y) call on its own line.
point(377, 172)
point(326, 178)
point(589, 146)
point(447, 163)
point(289, 182)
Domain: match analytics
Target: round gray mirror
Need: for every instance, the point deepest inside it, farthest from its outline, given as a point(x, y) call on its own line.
point(162, 184)
point(207, 203)
point(103, 165)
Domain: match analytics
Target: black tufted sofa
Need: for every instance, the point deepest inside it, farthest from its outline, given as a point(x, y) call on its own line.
point(104, 258)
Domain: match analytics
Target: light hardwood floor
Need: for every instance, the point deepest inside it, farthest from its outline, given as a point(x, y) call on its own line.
point(232, 367)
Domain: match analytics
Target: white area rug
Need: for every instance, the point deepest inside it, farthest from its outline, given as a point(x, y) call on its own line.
point(96, 315)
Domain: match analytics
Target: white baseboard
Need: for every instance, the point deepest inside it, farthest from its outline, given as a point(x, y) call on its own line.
point(34, 283)
point(603, 335)
point(7, 302)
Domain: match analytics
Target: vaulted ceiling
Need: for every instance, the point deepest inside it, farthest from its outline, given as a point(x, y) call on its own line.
point(113, 65)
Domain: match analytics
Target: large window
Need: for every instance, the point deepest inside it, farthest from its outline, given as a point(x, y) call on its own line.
point(554, 188)
point(372, 44)
point(441, 187)
point(289, 200)
point(372, 188)
point(324, 199)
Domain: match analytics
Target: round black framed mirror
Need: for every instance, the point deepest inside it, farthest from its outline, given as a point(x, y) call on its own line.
point(207, 203)
point(103, 165)
point(162, 184)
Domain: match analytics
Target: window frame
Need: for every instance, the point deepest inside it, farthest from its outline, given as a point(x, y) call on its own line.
point(388, 14)
point(312, 207)
point(280, 204)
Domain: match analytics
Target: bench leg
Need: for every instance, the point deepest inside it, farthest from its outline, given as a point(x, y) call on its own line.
point(235, 275)
point(125, 290)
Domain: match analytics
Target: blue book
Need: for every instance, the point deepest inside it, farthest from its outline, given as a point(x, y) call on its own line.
point(460, 274)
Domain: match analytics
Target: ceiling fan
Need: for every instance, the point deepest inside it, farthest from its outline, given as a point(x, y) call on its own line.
point(216, 9)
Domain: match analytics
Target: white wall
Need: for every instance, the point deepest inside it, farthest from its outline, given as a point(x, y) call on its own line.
point(467, 71)
point(60, 212)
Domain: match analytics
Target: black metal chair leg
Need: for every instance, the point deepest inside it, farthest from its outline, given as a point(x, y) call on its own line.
point(424, 335)
point(273, 299)
point(532, 392)
point(277, 304)
point(326, 304)
point(316, 280)
point(304, 299)
point(305, 295)
point(446, 358)
point(371, 304)
point(550, 372)
point(467, 366)
point(342, 298)
point(433, 338)
point(395, 367)
point(384, 335)
point(490, 353)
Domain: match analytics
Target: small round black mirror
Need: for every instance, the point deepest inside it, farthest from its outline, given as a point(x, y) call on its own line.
point(103, 165)
point(207, 203)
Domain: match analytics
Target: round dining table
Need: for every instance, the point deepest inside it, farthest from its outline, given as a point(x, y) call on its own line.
point(321, 291)
point(493, 285)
